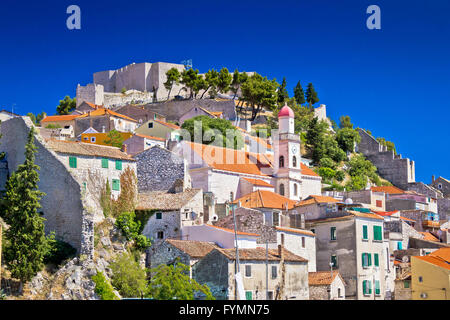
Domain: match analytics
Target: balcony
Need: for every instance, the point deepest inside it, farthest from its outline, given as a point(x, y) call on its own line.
point(430, 224)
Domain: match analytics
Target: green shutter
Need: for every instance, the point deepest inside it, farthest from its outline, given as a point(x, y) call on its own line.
point(377, 287)
point(377, 233)
point(370, 259)
point(370, 286)
point(116, 185)
point(399, 245)
point(375, 258)
point(248, 295)
point(105, 163)
point(333, 233)
point(364, 286)
point(119, 164)
point(365, 233)
point(362, 259)
point(73, 162)
point(406, 284)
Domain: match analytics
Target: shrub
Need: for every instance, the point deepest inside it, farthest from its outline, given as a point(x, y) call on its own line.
point(327, 163)
point(326, 173)
point(340, 175)
point(103, 288)
point(128, 276)
point(58, 250)
point(128, 225)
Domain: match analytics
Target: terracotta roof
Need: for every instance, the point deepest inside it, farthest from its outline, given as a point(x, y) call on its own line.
point(387, 189)
point(307, 171)
point(407, 219)
point(170, 125)
point(385, 213)
point(365, 215)
point(195, 249)
point(443, 253)
point(322, 278)
point(87, 149)
point(149, 137)
point(265, 199)
point(93, 106)
point(162, 200)
point(434, 260)
point(211, 113)
point(232, 231)
point(295, 230)
point(428, 236)
point(313, 199)
point(232, 160)
point(68, 117)
point(258, 182)
point(102, 111)
point(260, 254)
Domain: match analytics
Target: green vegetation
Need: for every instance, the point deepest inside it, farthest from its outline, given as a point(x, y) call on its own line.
point(114, 138)
point(103, 288)
point(389, 144)
point(58, 250)
point(173, 77)
point(66, 106)
point(128, 276)
point(123, 90)
point(37, 118)
point(220, 128)
point(53, 126)
point(131, 229)
point(283, 95)
point(299, 95)
point(311, 96)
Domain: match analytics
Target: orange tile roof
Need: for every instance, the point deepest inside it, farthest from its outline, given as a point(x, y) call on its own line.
point(102, 111)
point(437, 261)
point(260, 254)
point(149, 137)
point(316, 200)
point(68, 117)
point(387, 189)
point(385, 213)
point(428, 236)
point(265, 199)
point(195, 249)
point(307, 171)
point(407, 219)
point(365, 215)
point(443, 253)
point(258, 182)
point(232, 231)
point(93, 106)
point(295, 230)
point(167, 124)
point(322, 278)
point(259, 140)
point(232, 160)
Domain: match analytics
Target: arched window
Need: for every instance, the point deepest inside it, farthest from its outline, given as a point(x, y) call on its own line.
point(294, 161)
point(282, 189)
point(295, 189)
point(281, 162)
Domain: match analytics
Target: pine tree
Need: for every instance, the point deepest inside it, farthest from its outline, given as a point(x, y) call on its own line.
point(114, 138)
point(299, 95)
point(311, 95)
point(27, 247)
point(282, 92)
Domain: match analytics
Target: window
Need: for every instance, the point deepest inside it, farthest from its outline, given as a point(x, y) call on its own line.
point(377, 287)
point(420, 279)
point(72, 162)
point(248, 295)
point(86, 138)
point(334, 261)
point(270, 295)
point(118, 164)
point(339, 293)
point(406, 284)
point(379, 203)
point(248, 271)
point(150, 125)
point(399, 245)
point(303, 242)
point(294, 161)
point(159, 215)
point(282, 238)
point(333, 233)
point(313, 231)
point(231, 196)
point(105, 163)
point(365, 233)
point(275, 218)
point(295, 189)
point(439, 186)
point(93, 139)
point(377, 236)
point(282, 189)
point(160, 235)
point(366, 260)
point(367, 287)
point(376, 262)
point(154, 116)
point(116, 185)
point(274, 272)
point(281, 162)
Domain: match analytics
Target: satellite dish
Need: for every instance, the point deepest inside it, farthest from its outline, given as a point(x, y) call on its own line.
point(348, 201)
point(405, 259)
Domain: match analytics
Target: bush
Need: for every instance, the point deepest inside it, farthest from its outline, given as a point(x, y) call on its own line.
point(128, 276)
point(327, 163)
point(128, 225)
point(58, 250)
point(103, 288)
point(142, 242)
point(326, 173)
point(356, 183)
point(340, 175)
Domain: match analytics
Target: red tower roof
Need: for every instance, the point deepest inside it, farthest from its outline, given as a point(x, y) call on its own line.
point(286, 112)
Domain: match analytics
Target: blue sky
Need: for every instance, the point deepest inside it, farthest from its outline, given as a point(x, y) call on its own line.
point(394, 81)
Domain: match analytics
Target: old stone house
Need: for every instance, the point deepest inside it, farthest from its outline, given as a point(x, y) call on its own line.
point(315, 206)
point(200, 111)
point(287, 279)
point(85, 107)
point(376, 200)
point(171, 251)
point(326, 285)
point(59, 121)
point(160, 129)
point(101, 137)
point(138, 143)
point(170, 212)
point(442, 185)
point(139, 113)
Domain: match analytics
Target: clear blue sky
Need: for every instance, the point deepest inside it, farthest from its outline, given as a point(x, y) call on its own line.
point(394, 81)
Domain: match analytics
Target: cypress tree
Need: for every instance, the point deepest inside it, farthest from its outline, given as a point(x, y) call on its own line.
point(311, 95)
point(282, 92)
point(299, 95)
point(27, 242)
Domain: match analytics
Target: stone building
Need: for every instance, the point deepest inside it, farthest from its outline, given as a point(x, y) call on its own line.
point(171, 251)
point(442, 185)
point(326, 285)
point(138, 143)
point(400, 171)
point(159, 168)
point(139, 113)
point(170, 212)
point(6, 115)
point(59, 121)
point(376, 200)
point(288, 274)
point(160, 129)
point(200, 111)
point(104, 120)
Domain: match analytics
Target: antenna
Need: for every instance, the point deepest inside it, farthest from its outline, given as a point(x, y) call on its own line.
point(187, 63)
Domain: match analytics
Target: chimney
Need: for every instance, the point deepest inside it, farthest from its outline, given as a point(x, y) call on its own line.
point(124, 148)
point(281, 251)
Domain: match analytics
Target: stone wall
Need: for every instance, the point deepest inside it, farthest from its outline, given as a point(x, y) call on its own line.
point(93, 93)
point(101, 124)
point(159, 168)
point(444, 186)
point(165, 253)
point(63, 205)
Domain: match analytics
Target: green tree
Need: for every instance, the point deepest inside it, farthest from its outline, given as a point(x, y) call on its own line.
point(220, 126)
point(66, 106)
point(347, 138)
point(211, 80)
point(224, 80)
point(327, 174)
point(28, 245)
point(299, 95)
point(114, 138)
point(314, 139)
point(345, 122)
point(103, 288)
point(173, 77)
point(128, 277)
point(327, 163)
point(283, 95)
point(173, 283)
point(36, 119)
point(189, 78)
point(238, 80)
point(311, 95)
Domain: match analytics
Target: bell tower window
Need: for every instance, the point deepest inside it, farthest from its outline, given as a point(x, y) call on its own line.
point(282, 189)
point(281, 162)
